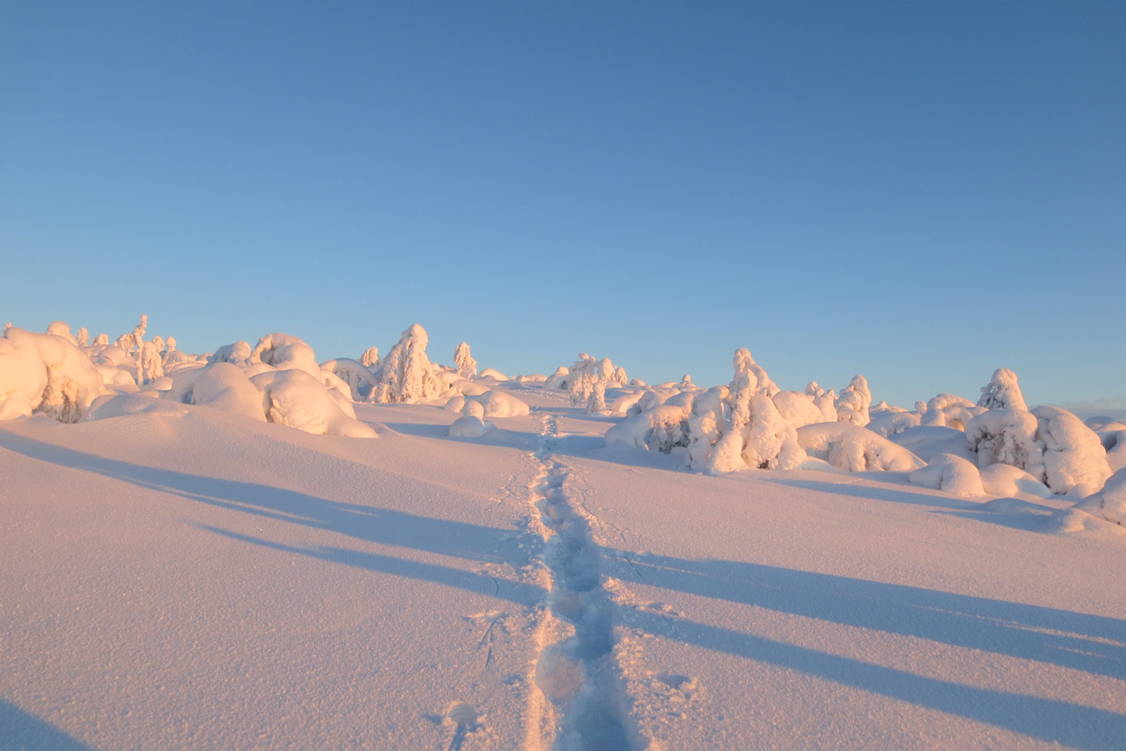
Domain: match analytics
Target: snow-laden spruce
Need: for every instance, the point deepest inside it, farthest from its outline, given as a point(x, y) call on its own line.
point(464, 363)
point(406, 374)
point(723, 429)
point(588, 380)
point(1002, 392)
point(1049, 443)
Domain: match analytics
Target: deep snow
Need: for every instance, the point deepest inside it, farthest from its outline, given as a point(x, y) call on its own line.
point(197, 577)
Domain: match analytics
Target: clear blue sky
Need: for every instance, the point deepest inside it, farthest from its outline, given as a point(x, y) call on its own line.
point(921, 192)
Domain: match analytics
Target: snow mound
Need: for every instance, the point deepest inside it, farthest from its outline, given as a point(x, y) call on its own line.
point(45, 374)
point(1074, 460)
point(300, 400)
point(948, 410)
point(496, 375)
point(856, 449)
point(220, 385)
point(1110, 504)
point(1007, 480)
point(286, 352)
point(491, 404)
point(951, 474)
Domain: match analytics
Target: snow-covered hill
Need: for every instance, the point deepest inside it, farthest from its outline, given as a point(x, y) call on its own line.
point(191, 573)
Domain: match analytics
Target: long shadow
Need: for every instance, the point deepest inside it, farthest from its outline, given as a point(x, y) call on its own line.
point(1074, 640)
point(20, 731)
point(1094, 644)
point(1027, 520)
point(364, 522)
point(1051, 720)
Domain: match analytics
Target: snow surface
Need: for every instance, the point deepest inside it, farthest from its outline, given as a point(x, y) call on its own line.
point(181, 573)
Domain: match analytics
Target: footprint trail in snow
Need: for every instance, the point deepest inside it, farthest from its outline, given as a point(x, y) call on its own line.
point(577, 672)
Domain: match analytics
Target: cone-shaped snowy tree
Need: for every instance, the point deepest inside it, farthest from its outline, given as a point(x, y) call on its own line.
point(407, 375)
point(1002, 391)
point(464, 362)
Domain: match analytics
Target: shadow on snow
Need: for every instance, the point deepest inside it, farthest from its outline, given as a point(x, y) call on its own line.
point(1090, 643)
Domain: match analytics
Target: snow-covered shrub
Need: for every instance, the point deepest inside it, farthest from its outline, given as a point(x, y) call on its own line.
point(491, 404)
point(1006, 436)
point(855, 449)
point(220, 385)
point(1049, 443)
point(151, 361)
point(891, 422)
point(648, 400)
point(625, 402)
point(752, 432)
point(359, 379)
point(463, 361)
point(472, 423)
point(407, 375)
point(952, 474)
point(948, 410)
point(589, 378)
point(797, 408)
point(659, 429)
point(286, 352)
point(1002, 392)
point(1004, 480)
point(45, 374)
point(1074, 460)
point(1110, 504)
point(62, 328)
point(824, 399)
point(854, 401)
point(299, 400)
point(236, 352)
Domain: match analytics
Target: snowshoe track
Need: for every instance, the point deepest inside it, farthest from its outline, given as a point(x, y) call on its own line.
point(577, 672)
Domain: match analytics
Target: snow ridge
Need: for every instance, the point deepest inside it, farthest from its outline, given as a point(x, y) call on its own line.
point(578, 673)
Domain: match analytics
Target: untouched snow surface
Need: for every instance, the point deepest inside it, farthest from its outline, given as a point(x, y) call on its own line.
point(192, 579)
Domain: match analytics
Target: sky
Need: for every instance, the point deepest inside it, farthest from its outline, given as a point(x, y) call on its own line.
point(920, 192)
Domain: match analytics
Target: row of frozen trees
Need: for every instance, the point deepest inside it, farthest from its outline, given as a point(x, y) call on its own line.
point(996, 445)
point(70, 376)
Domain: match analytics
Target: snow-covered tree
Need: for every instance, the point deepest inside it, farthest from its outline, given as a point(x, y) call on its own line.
point(588, 380)
point(1002, 391)
point(464, 362)
point(407, 375)
point(370, 358)
point(854, 401)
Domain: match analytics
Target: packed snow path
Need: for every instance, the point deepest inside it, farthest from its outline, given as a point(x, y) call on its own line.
point(577, 673)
